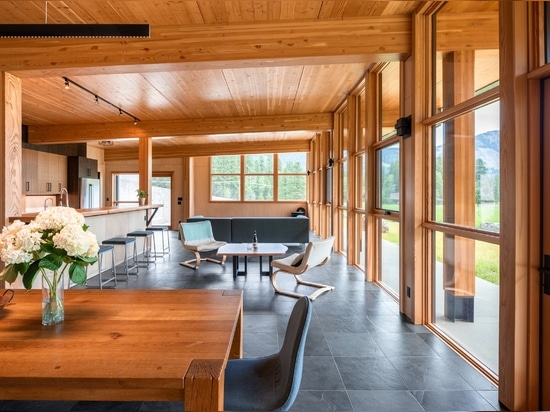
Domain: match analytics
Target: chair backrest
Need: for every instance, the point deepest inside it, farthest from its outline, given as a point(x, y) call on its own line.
point(291, 355)
point(317, 253)
point(193, 233)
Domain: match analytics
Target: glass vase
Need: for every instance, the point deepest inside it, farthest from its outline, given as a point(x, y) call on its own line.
point(53, 310)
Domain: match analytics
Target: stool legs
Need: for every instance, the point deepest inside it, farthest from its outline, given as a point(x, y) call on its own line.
point(149, 247)
point(102, 250)
point(164, 239)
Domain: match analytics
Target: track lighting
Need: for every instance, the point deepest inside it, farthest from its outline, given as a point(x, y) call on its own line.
point(97, 98)
point(74, 30)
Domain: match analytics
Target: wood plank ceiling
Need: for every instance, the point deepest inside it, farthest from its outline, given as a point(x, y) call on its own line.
point(214, 77)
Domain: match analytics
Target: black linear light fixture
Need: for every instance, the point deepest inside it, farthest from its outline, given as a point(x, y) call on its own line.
point(73, 30)
point(98, 98)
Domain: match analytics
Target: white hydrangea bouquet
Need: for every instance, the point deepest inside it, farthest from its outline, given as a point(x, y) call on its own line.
point(55, 240)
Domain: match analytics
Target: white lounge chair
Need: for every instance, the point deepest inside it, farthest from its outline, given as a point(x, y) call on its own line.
point(316, 254)
point(197, 237)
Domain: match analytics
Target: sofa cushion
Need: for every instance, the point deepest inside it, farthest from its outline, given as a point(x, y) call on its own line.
point(270, 229)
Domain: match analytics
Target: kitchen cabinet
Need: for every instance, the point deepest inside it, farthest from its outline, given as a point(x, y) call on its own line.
point(43, 173)
point(79, 166)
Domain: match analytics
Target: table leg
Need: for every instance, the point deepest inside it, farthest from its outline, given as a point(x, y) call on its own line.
point(203, 385)
point(236, 271)
point(269, 271)
point(235, 266)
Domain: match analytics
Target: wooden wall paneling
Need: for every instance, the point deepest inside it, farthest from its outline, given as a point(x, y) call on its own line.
point(515, 328)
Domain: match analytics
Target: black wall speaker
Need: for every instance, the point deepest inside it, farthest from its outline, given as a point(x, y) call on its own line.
point(403, 126)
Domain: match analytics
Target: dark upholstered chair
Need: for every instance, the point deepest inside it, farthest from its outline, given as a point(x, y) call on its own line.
point(316, 254)
point(271, 382)
point(197, 237)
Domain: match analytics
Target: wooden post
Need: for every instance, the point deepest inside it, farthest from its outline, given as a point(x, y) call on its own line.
point(145, 166)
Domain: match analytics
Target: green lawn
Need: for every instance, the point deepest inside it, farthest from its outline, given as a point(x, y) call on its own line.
point(486, 254)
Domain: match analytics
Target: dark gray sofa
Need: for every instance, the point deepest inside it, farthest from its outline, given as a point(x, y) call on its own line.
point(268, 229)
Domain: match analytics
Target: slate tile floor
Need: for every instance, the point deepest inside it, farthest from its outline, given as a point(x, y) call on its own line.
point(361, 355)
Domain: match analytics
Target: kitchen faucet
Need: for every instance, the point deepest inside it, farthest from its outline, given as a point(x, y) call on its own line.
point(62, 192)
point(46, 202)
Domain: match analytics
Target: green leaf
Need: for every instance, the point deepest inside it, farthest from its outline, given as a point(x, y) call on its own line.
point(77, 273)
point(22, 267)
point(29, 276)
point(89, 260)
point(51, 262)
point(9, 274)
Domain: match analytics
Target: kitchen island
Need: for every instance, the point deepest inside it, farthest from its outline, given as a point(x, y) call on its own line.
point(107, 222)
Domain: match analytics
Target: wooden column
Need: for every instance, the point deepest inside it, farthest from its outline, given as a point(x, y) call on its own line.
point(10, 147)
point(416, 91)
point(459, 196)
point(518, 382)
point(146, 165)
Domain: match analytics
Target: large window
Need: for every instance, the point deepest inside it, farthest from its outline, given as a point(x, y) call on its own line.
point(292, 176)
point(225, 175)
point(387, 228)
point(259, 177)
point(464, 220)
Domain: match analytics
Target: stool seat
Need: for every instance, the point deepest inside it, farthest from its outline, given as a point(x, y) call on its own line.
point(118, 241)
point(125, 241)
point(105, 248)
point(140, 233)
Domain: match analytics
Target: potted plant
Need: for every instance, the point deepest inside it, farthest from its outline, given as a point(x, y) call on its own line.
point(141, 194)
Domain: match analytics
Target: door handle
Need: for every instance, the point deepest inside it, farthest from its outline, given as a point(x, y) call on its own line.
point(545, 272)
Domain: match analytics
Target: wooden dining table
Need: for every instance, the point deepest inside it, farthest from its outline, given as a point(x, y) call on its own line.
point(122, 345)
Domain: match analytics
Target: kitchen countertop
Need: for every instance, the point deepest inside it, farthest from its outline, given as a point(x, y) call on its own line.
point(100, 211)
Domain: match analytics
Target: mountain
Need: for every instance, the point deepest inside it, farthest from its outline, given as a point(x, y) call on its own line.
point(487, 148)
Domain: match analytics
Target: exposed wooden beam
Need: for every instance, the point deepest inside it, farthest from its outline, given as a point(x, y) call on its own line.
point(73, 133)
point(211, 149)
point(382, 36)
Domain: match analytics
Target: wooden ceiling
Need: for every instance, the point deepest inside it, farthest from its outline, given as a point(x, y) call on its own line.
point(214, 77)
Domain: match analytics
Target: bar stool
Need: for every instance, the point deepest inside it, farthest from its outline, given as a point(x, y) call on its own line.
point(163, 234)
point(125, 241)
point(148, 244)
point(102, 250)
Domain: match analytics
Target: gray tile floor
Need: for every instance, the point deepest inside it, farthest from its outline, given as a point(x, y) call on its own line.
point(361, 355)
